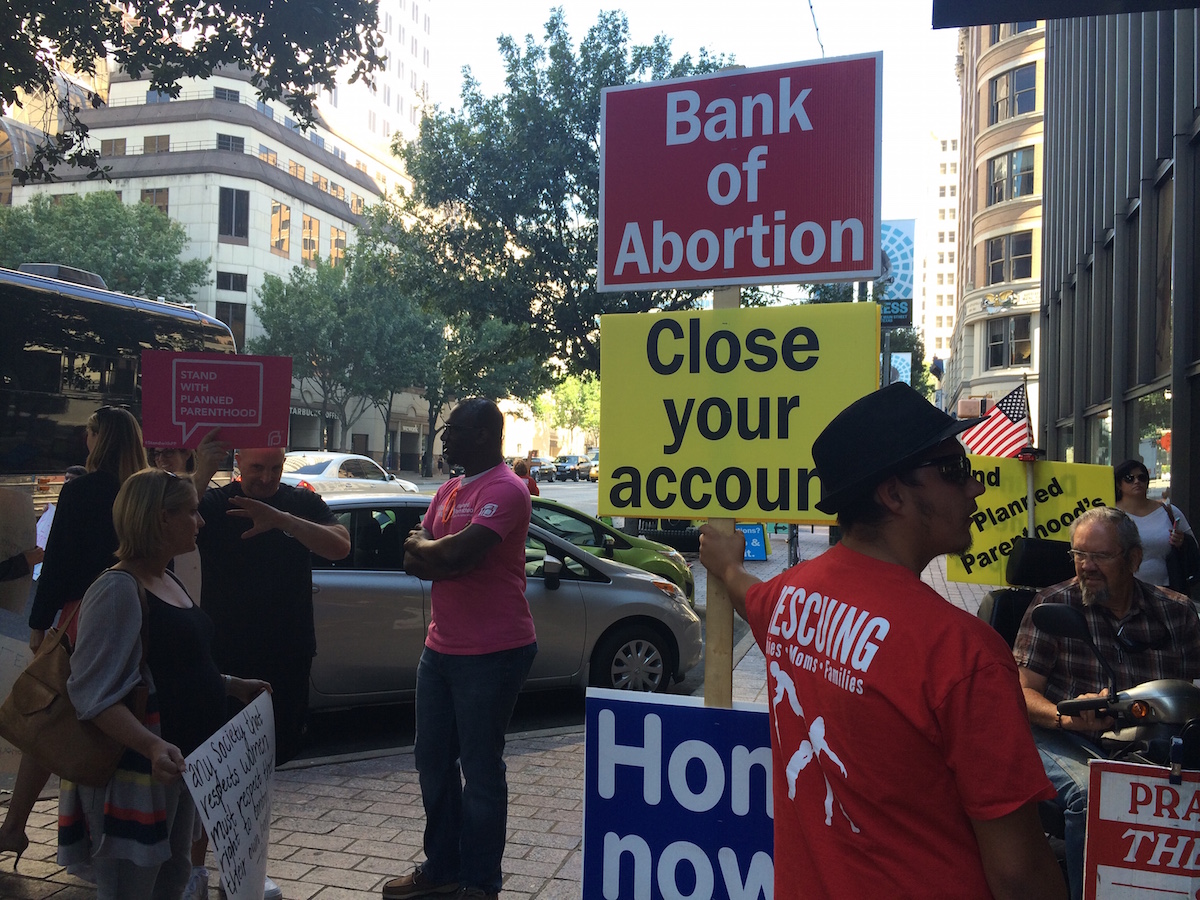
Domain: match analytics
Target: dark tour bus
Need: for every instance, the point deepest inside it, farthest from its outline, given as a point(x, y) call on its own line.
point(68, 348)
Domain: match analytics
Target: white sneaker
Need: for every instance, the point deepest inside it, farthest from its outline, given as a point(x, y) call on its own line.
point(197, 886)
point(271, 891)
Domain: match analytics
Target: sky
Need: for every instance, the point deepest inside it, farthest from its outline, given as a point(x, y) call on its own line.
point(920, 91)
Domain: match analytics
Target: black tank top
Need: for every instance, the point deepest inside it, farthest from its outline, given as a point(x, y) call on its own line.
point(191, 691)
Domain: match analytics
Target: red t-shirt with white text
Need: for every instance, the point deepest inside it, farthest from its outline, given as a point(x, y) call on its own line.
point(896, 719)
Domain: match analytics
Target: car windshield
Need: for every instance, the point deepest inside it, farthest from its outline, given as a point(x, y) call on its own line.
point(566, 459)
point(566, 526)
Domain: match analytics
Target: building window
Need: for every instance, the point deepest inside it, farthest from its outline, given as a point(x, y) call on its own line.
point(156, 143)
point(941, 259)
point(1010, 257)
point(941, 237)
point(938, 343)
point(157, 97)
point(231, 281)
point(157, 197)
point(1012, 93)
point(310, 238)
point(949, 278)
point(226, 94)
point(954, 145)
point(941, 278)
point(1010, 175)
point(950, 236)
point(233, 219)
point(944, 146)
point(231, 143)
point(267, 155)
point(337, 245)
point(941, 168)
point(317, 139)
point(938, 322)
point(234, 315)
point(954, 190)
point(296, 170)
point(949, 321)
point(950, 257)
point(266, 110)
point(371, 121)
point(356, 204)
point(1009, 342)
point(114, 147)
point(942, 189)
point(281, 228)
point(320, 181)
point(942, 215)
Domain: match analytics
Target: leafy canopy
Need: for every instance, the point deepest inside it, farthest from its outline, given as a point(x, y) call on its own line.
point(289, 49)
point(135, 248)
point(510, 184)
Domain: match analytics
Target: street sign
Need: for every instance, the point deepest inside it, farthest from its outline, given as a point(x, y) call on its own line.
point(750, 176)
point(895, 313)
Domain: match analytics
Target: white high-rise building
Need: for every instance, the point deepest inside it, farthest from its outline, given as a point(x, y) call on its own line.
point(936, 298)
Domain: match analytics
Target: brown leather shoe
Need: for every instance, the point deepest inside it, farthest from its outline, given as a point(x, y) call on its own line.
point(415, 884)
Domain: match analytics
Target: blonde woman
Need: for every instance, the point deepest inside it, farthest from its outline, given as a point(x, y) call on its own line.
point(116, 832)
point(80, 546)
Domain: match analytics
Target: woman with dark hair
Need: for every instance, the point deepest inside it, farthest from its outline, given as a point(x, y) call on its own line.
point(1161, 525)
point(134, 834)
point(80, 546)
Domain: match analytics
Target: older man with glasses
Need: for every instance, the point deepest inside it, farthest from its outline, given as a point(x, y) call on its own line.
point(902, 765)
point(1144, 632)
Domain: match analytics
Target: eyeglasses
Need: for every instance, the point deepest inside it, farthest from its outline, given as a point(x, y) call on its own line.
point(1085, 555)
point(1133, 477)
point(954, 469)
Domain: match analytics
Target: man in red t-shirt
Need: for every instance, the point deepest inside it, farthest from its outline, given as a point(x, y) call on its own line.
point(903, 763)
point(478, 650)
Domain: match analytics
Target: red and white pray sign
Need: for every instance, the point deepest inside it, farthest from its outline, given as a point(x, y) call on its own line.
point(1143, 833)
point(185, 395)
point(752, 176)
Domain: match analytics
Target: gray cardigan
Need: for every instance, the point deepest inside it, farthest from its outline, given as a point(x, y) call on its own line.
point(108, 652)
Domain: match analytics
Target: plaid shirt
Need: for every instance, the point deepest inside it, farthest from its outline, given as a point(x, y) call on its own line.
point(1160, 621)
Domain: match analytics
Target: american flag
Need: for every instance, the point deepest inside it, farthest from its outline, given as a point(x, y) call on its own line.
point(1005, 430)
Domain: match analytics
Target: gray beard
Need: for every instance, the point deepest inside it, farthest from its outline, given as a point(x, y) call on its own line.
point(1096, 597)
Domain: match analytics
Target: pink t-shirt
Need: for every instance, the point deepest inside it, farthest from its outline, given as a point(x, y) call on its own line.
point(896, 718)
point(484, 611)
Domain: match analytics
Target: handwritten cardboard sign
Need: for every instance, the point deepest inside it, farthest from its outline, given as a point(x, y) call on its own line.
point(230, 777)
point(184, 395)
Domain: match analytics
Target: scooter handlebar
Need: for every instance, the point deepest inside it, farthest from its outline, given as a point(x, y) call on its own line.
point(1071, 707)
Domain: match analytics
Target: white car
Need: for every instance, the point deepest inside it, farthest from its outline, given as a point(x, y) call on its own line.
point(335, 473)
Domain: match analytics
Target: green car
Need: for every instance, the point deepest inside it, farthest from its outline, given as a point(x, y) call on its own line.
point(595, 537)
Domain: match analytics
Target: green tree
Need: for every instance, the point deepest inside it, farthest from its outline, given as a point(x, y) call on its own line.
point(510, 184)
point(574, 402)
point(135, 248)
point(289, 52)
point(481, 353)
point(306, 318)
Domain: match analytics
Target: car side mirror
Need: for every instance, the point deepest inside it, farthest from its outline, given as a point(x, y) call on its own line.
point(610, 544)
point(552, 572)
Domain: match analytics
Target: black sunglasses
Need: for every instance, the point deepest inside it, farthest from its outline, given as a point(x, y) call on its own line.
point(1136, 476)
point(954, 469)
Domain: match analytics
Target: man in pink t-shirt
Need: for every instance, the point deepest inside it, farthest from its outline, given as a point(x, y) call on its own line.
point(478, 650)
point(902, 761)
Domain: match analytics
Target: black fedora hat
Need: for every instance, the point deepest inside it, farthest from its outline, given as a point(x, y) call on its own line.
point(874, 437)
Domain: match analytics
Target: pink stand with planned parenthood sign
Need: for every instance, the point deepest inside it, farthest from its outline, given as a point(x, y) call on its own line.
point(185, 395)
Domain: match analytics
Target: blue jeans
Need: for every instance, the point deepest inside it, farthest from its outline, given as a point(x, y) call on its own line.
point(464, 704)
point(1065, 757)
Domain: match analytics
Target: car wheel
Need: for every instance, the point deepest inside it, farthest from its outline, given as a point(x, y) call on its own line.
point(631, 658)
point(574, 476)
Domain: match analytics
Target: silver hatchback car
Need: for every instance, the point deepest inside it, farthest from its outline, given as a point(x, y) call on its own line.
point(598, 622)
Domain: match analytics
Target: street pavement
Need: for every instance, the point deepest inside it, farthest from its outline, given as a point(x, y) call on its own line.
point(343, 826)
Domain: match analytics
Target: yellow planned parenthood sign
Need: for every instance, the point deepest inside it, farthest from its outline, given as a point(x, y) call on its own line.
point(1062, 492)
point(714, 412)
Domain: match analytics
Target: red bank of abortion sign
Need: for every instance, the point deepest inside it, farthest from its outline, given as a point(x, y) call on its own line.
point(754, 176)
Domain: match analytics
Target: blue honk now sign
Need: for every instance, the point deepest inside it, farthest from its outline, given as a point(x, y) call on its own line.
point(677, 800)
